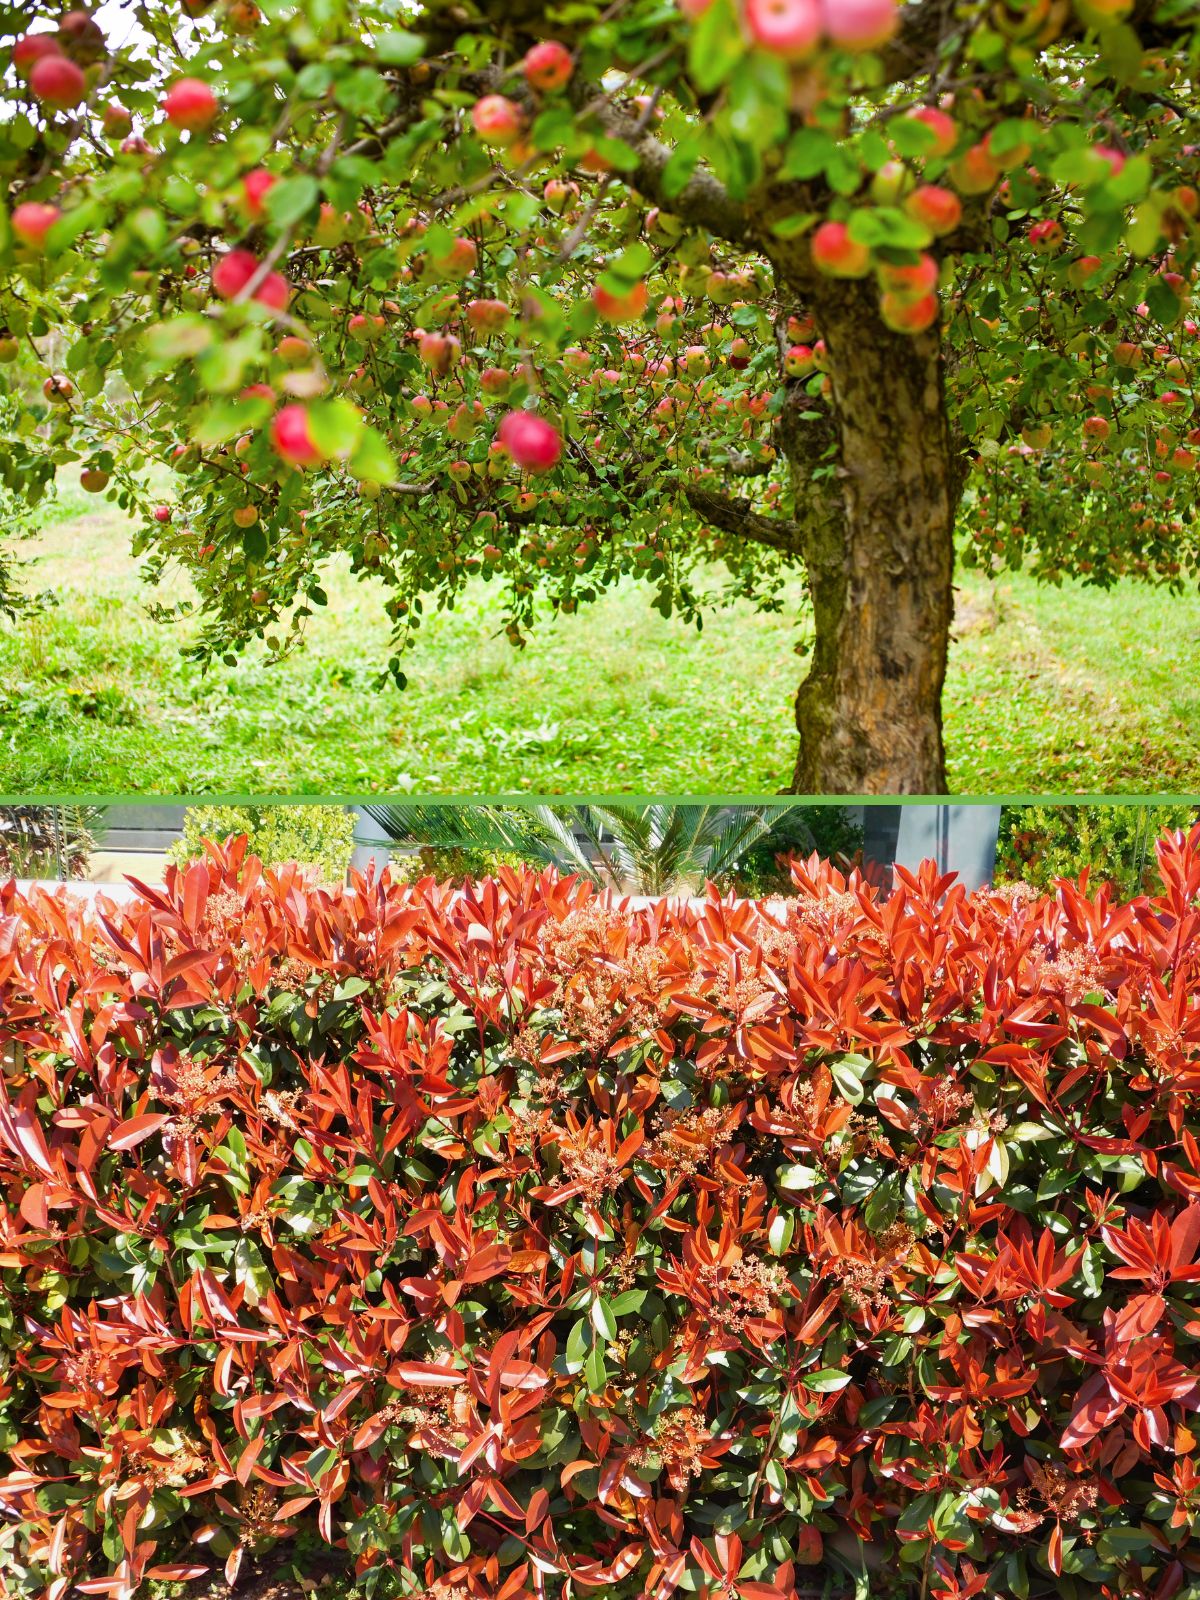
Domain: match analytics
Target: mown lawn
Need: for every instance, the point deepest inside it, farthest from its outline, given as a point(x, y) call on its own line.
point(1067, 691)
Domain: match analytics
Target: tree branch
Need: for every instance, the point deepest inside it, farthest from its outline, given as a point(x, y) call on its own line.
point(740, 519)
point(703, 200)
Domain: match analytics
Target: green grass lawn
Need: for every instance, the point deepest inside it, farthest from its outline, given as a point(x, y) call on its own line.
point(1069, 691)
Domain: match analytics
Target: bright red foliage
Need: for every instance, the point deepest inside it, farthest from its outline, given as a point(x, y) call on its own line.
point(506, 1236)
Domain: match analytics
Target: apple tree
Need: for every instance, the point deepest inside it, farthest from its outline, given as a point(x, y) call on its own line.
point(556, 294)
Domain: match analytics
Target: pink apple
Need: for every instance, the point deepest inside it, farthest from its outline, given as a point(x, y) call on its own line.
point(837, 254)
point(32, 48)
point(291, 436)
point(31, 221)
point(787, 28)
point(189, 103)
point(859, 24)
point(940, 210)
point(903, 314)
point(621, 307)
point(533, 443)
point(496, 120)
point(57, 84)
point(439, 352)
point(548, 66)
point(256, 186)
point(940, 124)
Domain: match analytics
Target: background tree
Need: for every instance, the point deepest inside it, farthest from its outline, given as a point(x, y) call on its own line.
point(562, 295)
point(644, 850)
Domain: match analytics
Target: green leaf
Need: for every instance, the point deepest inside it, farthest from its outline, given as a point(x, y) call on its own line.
point(292, 198)
point(398, 48)
point(603, 1320)
point(167, 342)
point(372, 460)
point(337, 427)
point(715, 46)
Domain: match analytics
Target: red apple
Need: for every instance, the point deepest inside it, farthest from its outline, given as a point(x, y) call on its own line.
point(496, 120)
point(439, 352)
point(58, 387)
point(31, 222)
point(31, 48)
point(903, 314)
point(533, 443)
point(488, 316)
point(799, 361)
point(93, 480)
point(626, 307)
point(942, 126)
point(838, 255)
point(291, 436)
point(787, 28)
point(548, 66)
point(162, 513)
point(1045, 236)
point(1096, 428)
point(81, 36)
point(975, 171)
point(859, 24)
point(940, 210)
point(909, 282)
point(190, 104)
point(256, 186)
point(57, 84)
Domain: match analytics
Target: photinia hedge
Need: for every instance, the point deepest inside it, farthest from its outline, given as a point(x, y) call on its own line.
point(518, 1243)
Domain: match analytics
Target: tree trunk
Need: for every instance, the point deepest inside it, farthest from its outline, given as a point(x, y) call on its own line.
point(880, 561)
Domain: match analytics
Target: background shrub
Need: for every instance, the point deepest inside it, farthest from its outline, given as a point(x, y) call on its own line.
point(517, 1246)
point(1114, 843)
point(320, 836)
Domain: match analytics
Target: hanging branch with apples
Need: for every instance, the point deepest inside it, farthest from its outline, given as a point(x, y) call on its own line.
point(704, 296)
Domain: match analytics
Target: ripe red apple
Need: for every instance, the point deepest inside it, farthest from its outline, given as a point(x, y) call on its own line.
point(1045, 236)
point(488, 316)
point(859, 24)
point(31, 48)
point(31, 222)
point(58, 387)
point(56, 83)
point(1096, 428)
point(1127, 354)
point(911, 282)
point(1082, 271)
point(291, 436)
point(940, 124)
point(903, 314)
point(548, 66)
point(116, 120)
point(559, 194)
point(975, 171)
point(939, 209)
point(93, 480)
point(190, 104)
point(496, 120)
point(494, 381)
point(234, 271)
point(459, 261)
point(533, 443)
point(81, 36)
point(162, 513)
point(787, 28)
point(799, 361)
point(835, 253)
point(256, 186)
point(439, 352)
point(621, 307)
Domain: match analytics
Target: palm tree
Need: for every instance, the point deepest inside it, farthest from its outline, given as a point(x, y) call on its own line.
point(652, 849)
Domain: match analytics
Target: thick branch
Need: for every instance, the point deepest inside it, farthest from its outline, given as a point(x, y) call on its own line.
point(703, 200)
point(740, 519)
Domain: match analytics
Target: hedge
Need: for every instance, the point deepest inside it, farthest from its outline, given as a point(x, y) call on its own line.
point(521, 1244)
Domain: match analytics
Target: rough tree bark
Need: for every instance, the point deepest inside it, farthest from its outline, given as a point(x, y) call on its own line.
point(876, 483)
point(879, 557)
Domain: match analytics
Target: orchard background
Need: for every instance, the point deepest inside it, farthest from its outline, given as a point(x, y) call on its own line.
point(563, 295)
